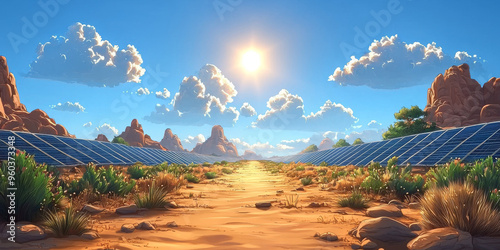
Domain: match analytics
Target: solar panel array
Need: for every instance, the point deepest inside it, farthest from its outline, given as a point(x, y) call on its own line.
point(427, 149)
point(64, 151)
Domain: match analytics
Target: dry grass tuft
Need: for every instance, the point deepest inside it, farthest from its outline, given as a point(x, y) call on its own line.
point(460, 206)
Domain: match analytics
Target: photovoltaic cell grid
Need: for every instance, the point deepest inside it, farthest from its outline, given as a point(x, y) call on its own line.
point(64, 151)
point(426, 149)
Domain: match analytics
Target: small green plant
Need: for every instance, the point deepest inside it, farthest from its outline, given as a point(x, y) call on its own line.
point(355, 201)
point(136, 172)
point(191, 178)
point(323, 164)
point(154, 198)
point(206, 164)
point(223, 162)
point(217, 163)
point(211, 175)
point(291, 200)
point(120, 140)
point(372, 184)
point(227, 171)
point(35, 193)
point(306, 181)
point(102, 181)
point(70, 222)
point(300, 168)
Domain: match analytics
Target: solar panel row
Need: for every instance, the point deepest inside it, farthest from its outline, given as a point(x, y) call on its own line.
point(64, 151)
point(427, 149)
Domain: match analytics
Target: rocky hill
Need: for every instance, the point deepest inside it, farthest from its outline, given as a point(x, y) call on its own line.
point(455, 99)
point(171, 141)
point(251, 155)
point(134, 136)
point(325, 144)
point(13, 114)
point(101, 137)
point(216, 144)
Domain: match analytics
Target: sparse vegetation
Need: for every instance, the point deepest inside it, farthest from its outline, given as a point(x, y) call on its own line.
point(341, 143)
point(154, 198)
point(119, 140)
point(358, 141)
point(410, 121)
point(102, 181)
point(300, 168)
point(309, 149)
point(211, 175)
point(191, 178)
point(306, 181)
point(355, 201)
point(70, 222)
point(291, 200)
point(136, 171)
point(227, 171)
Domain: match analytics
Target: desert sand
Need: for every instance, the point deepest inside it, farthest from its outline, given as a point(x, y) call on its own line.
point(221, 214)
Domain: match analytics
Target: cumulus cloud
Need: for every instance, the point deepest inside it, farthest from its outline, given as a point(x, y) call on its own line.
point(191, 141)
point(88, 124)
point(247, 110)
point(82, 56)
point(283, 147)
point(374, 124)
point(365, 135)
point(201, 100)
point(392, 63)
point(165, 94)
point(143, 91)
point(258, 147)
point(286, 112)
point(69, 107)
point(106, 129)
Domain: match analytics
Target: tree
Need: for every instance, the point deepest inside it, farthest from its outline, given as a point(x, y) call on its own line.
point(410, 121)
point(341, 143)
point(311, 148)
point(119, 140)
point(358, 141)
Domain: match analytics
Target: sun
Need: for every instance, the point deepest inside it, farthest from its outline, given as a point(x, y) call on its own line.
point(251, 61)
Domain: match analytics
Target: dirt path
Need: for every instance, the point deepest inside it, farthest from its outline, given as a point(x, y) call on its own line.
point(221, 214)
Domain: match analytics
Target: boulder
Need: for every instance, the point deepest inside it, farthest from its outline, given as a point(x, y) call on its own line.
point(90, 235)
point(384, 210)
point(101, 137)
point(171, 141)
point(13, 114)
point(128, 209)
point(368, 244)
point(263, 204)
point(442, 238)
point(26, 232)
point(92, 209)
point(415, 227)
point(145, 225)
point(217, 144)
point(327, 236)
point(172, 224)
point(127, 228)
point(455, 99)
point(134, 136)
point(384, 229)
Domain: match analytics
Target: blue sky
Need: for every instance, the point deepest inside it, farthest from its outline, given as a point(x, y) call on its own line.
point(301, 43)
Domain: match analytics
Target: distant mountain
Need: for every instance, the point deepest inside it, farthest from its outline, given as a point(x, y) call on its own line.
point(171, 141)
point(134, 136)
point(311, 148)
point(102, 137)
point(325, 144)
point(251, 155)
point(217, 144)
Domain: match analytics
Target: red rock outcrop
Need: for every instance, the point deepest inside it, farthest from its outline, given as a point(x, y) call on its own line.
point(456, 100)
point(217, 144)
point(134, 136)
point(325, 144)
point(13, 114)
point(171, 141)
point(101, 137)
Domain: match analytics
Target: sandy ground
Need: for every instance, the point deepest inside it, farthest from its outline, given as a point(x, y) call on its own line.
point(221, 214)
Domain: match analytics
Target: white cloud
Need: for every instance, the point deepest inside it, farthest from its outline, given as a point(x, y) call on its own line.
point(258, 147)
point(247, 110)
point(201, 100)
point(392, 63)
point(374, 124)
point(191, 141)
point(284, 147)
point(82, 56)
point(286, 112)
point(106, 129)
point(88, 124)
point(365, 135)
point(165, 94)
point(69, 107)
point(143, 91)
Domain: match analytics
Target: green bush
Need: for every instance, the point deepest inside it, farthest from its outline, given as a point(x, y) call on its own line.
point(35, 189)
point(211, 175)
point(68, 223)
point(137, 172)
point(191, 178)
point(154, 198)
point(452, 172)
point(372, 184)
point(355, 201)
point(300, 168)
point(119, 140)
point(485, 176)
point(206, 164)
point(224, 162)
point(102, 181)
point(217, 163)
point(403, 183)
point(323, 164)
point(336, 174)
point(306, 181)
point(227, 171)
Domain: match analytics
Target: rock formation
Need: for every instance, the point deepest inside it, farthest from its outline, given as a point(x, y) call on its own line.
point(101, 137)
point(325, 144)
point(216, 144)
point(171, 141)
point(13, 114)
point(134, 136)
point(251, 155)
point(455, 99)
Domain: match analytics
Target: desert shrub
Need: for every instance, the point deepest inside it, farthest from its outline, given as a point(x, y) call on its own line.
point(306, 181)
point(461, 206)
point(338, 173)
point(164, 180)
point(452, 172)
point(217, 163)
point(300, 168)
point(227, 171)
point(206, 164)
point(355, 201)
point(223, 162)
point(372, 184)
point(137, 171)
point(485, 176)
point(35, 189)
point(211, 175)
point(120, 140)
point(70, 222)
point(323, 164)
point(191, 178)
point(291, 200)
point(402, 183)
point(102, 181)
point(154, 198)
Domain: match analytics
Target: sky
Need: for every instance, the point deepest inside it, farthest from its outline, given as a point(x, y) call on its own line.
point(336, 69)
